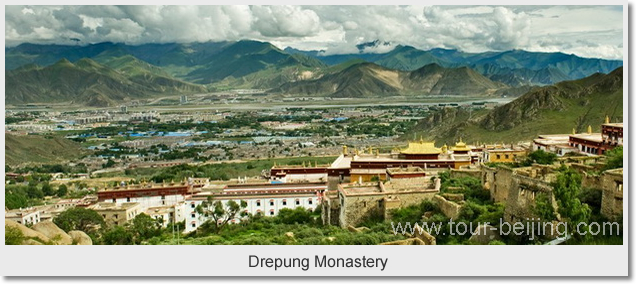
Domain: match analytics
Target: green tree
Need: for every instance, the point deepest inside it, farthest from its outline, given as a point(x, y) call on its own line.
point(567, 189)
point(47, 189)
point(540, 157)
point(62, 190)
point(543, 207)
point(78, 218)
point(34, 192)
point(298, 215)
point(221, 214)
point(614, 158)
point(118, 235)
point(13, 235)
point(144, 227)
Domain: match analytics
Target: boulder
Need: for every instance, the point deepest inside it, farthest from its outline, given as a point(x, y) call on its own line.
point(484, 234)
point(53, 232)
point(357, 230)
point(80, 238)
point(27, 232)
point(31, 242)
point(411, 241)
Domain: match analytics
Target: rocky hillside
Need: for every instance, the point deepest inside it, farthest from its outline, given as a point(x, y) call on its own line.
point(546, 110)
point(368, 79)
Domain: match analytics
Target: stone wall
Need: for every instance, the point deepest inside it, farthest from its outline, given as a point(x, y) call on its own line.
point(330, 210)
point(474, 173)
point(517, 188)
point(522, 193)
point(498, 182)
point(357, 208)
point(612, 186)
point(449, 208)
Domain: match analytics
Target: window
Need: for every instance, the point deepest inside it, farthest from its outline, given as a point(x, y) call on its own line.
point(271, 213)
point(194, 225)
point(258, 203)
point(192, 205)
point(284, 202)
point(507, 156)
point(310, 201)
point(114, 200)
point(116, 223)
point(104, 216)
point(115, 216)
point(498, 156)
point(127, 199)
point(194, 215)
point(163, 197)
point(271, 202)
point(297, 201)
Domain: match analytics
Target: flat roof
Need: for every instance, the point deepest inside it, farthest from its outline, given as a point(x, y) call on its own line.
point(594, 137)
point(114, 206)
point(342, 162)
point(552, 141)
point(620, 124)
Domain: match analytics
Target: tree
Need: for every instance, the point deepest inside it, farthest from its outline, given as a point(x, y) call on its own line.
point(34, 192)
point(221, 214)
point(540, 157)
point(118, 235)
point(81, 219)
point(62, 190)
point(567, 189)
point(47, 189)
point(298, 215)
point(13, 235)
point(543, 207)
point(144, 227)
point(108, 163)
point(614, 158)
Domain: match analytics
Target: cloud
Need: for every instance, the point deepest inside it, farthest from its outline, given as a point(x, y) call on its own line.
point(335, 29)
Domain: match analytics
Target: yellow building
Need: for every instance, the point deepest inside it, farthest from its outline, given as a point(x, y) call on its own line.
point(503, 155)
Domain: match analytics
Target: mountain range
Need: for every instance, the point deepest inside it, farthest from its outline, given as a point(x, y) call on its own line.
point(369, 79)
point(557, 109)
point(107, 73)
point(87, 82)
point(513, 67)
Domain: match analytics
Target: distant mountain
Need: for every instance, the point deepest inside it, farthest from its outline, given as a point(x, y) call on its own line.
point(87, 82)
point(514, 67)
point(555, 109)
point(247, 57)
point(195, 62)
point(369, 79)
point(254, 64)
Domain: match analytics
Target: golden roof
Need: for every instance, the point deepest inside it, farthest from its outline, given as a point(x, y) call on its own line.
point(460, 146)
point(421, 147)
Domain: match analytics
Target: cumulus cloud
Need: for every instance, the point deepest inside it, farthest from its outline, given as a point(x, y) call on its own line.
point(334, 29)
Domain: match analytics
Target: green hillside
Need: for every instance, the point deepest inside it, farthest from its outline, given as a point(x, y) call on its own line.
point(35, 149)
point(89, 83)
point(553, 109)
point(247, 57)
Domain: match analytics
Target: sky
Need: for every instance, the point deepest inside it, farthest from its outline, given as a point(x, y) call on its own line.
point(587, 31)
